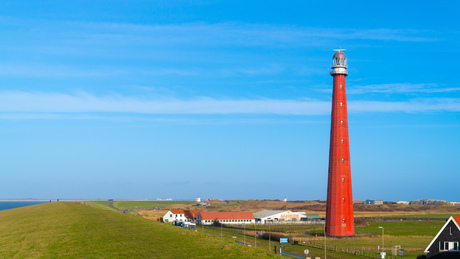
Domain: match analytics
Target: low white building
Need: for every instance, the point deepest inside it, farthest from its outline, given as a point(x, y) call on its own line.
point(267, 216)
point(225, 218)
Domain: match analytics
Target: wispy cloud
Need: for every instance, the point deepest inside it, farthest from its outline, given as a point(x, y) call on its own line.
point(54, 71)
point(400, 88)
point(419, 105)
point(241, 34)
point(33, 102)
point(89, 49)
point(79, 37)
point(16, 101)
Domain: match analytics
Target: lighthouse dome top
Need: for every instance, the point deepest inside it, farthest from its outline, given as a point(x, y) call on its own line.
point(339, 55)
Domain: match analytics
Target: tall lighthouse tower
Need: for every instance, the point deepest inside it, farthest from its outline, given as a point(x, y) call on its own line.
point(339, 210)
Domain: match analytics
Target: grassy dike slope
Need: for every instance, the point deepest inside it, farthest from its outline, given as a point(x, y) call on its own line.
point(69, 229)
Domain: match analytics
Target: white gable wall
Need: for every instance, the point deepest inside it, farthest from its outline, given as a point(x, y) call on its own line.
point(170, 217)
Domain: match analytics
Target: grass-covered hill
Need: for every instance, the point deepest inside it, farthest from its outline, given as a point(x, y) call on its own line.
point(68, 229)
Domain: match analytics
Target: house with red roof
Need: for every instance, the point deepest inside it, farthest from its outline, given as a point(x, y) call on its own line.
point(446, 244)
point(181, 215)
point(226, 218)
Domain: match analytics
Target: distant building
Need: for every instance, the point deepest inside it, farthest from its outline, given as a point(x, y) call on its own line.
point(181, 215)
point(402, 202)
point(446, 244)
point(357, 202)
point(198, 199)
point(374, 202)
point(285, 199)
point(456, 203)
point(201, 204)
point(268, 216)
point(225, 218)
point(426, 202)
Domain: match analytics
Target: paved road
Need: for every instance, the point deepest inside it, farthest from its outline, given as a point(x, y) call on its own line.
point(113, 207)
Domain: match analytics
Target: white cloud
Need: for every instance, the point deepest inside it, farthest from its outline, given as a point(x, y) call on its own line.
point(419, 105)
point(39, 102)
point(15, 101)
point(79, 37)
point(400, 88)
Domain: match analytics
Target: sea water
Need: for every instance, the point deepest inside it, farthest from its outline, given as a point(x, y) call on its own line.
point(6, 205)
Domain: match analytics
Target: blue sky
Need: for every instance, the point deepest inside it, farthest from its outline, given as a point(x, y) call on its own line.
point(225, 99)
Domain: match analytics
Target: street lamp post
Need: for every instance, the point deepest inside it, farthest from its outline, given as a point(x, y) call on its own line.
point(255, 234)
point(244, 233)
point(269, 223)
point(383, 241)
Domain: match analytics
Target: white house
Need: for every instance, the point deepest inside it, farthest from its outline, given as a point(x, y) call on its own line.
point(181, 215)
point(225, 218)
point(446, 244)
point(173, 215)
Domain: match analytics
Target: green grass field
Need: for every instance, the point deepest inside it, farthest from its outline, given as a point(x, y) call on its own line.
point(70, 229)
point(413, 236)
point(99, 204)
point(94, 229)
point(147, 204)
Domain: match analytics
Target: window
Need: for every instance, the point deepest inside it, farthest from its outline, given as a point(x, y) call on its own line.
point(449, 246)
point(343, 199)
point(343, 220)
point(340, 86)
point(343, 180)
point(342, 141)
point(343, 160)
point(341, 122)
point(341, 104)
point(170, 215)
point(451, 231)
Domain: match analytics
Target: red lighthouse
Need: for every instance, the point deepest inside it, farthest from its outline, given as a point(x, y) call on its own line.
point(339, 210)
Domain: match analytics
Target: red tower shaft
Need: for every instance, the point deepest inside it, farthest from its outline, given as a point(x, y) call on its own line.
point(339, 210)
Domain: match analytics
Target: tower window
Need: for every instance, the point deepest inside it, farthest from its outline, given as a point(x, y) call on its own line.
point(343, 180)
point(340, 86)
point(343, 160)
point(343, 199)
point(341, 122)
point(343, 220)
point(342, 141)
point(341, 104)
